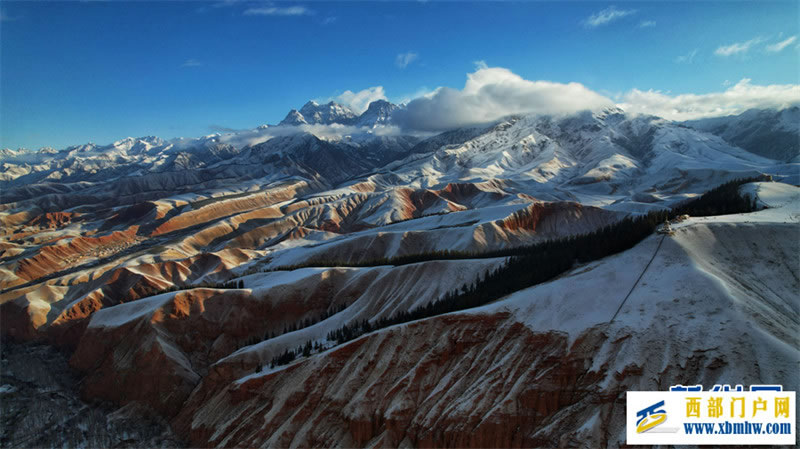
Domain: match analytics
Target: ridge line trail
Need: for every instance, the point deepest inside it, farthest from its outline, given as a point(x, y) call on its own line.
point(638, 279)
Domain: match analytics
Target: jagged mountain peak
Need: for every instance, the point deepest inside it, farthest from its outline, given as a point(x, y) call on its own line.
point(315, 113)
point(136, 144)
point(381, 104)
point(611, 112)
point(331, 112)
point(293, 118)
point(379, 112)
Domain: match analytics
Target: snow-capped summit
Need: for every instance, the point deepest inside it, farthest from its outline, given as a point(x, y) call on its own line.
point(8, 152)
point(293, 118)
point(379, 112)
point(611, 112)
point(326, 114)
point(131, 145)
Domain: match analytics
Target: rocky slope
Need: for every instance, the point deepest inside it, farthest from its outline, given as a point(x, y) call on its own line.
point(546, 366)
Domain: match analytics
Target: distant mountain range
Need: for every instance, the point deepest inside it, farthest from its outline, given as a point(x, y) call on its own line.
point(378, 113)
point(774, 134)
point(632, 159)
point(767, 132)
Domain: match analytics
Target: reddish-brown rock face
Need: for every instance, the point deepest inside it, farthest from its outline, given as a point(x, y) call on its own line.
point(16, 320)
point(146, 368)
point(155, 359)
point(53, 258)
point(552, 218)
point(147, 246)
point(53, 220)
point(454, 381)
point(460, 192)
point(181, 334)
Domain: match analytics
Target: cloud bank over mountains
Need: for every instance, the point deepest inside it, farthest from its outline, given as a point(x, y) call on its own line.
point(359, 101)
point(492, 93)
point(736, 99)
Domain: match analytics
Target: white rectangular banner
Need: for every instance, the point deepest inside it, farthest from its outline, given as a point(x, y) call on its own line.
point(708, 417)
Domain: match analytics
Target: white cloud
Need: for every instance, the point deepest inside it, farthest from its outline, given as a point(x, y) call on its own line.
point(278, 11)
point(607, 16)
point(492, 93)
point(329, 20)
point(218, 5)
point(225, 3)
point(738, 48)
point(421, 92)
point(647, 23)
point(359, 101)
point(404, 59)
point(327, 131)
point(779, 46)
point(734, 100)
point(191, 63)
point(688, 58)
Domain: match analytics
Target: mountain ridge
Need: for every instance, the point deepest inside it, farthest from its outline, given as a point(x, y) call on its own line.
point(734, 129)
point(767, 132)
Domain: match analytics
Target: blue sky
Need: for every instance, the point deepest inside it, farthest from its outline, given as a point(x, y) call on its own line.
point(73, 72)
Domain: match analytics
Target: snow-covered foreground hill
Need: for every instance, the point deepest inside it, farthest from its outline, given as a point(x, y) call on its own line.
point(715, 303)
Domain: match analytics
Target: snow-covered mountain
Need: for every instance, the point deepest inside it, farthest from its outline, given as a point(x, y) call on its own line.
point(324, 114)
point(125, 157)
point(605, 143)
point(767, 132)
point(378, 112)
point(329, 160)
point(610, 159)
point(633, 162)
